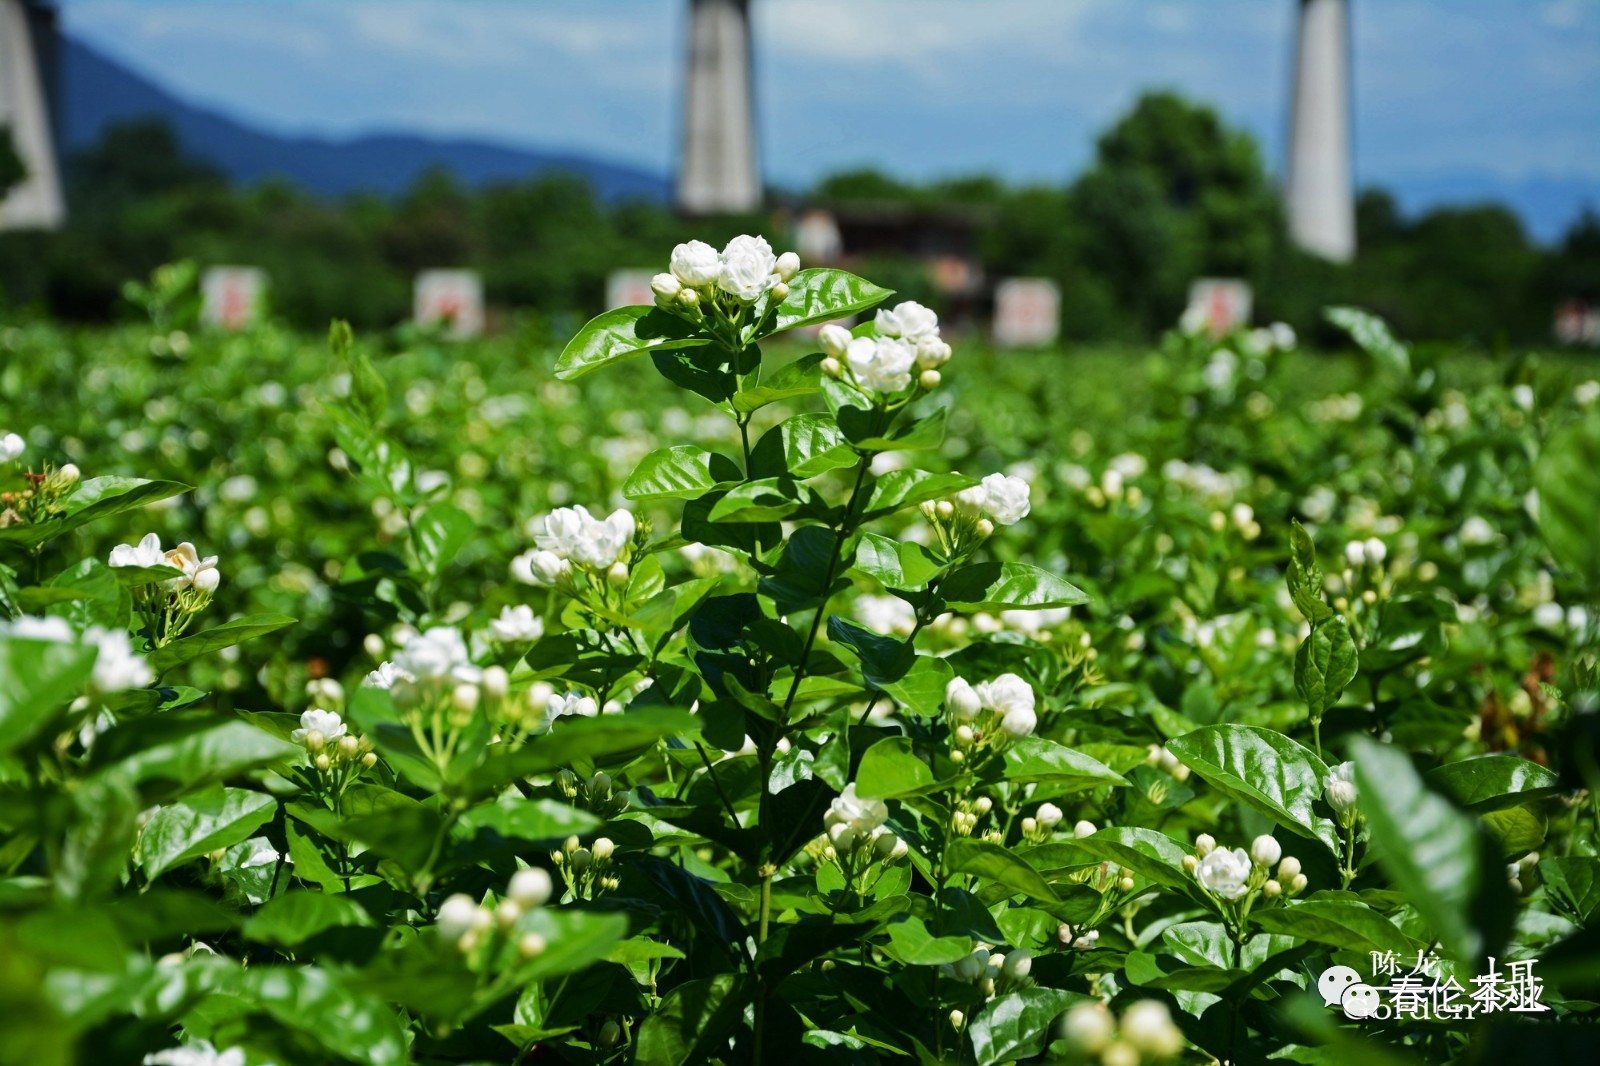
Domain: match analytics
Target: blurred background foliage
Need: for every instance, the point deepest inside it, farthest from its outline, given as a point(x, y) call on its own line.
point(1174, 194)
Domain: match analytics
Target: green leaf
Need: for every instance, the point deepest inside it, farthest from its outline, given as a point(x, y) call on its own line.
point(354, 1026)
point(891, 768)
point(921, 690)
point(802, 447)
point(693, 1020)
point(802, 377)
point(295, 917)
point(1265, 770)
point(1572, 884)
point(899, 489)
point(575, 739)
point(1018, 1025)
point(822, 294)
point(677, 474)
point(96, 498)
point(1436, 854)
point(622, 334)
point(440, 533)
point(215, 639)
point(766, 500)
point(1007, 587)
point(1492, 781)
point(1324, 665)
point(1144, 851)
point(1343, 924)
point(200, 824)
point(1372, 334)
point(1409, 628)
point(1037, 760)
point(884, 660)
point(861, 428)
point(40, 678)
point(532, 820)
point(912, 944)
point(998, 864)
point(1304, 577)
point(184, 749)
point(1567, 477)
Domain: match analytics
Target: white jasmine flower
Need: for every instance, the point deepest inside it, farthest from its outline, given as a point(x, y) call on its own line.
point(385, 676)
point(1147, 1025)
point(886, 614)
point(438, 654)
point(748, 267)
point(1088, 1027)
point(861, 815)
point(570, 703)
point(1477, 532)
point(696, 264)
point(516, 625)
point(457, 916)
point(574, 535)
point(883, 365)
point(529, 888)
point(1225, 873)
point(329, 724)
point(11, 447)
point(909, 321)
point(146, 553)
point(932, 353)
point(198, 573)
point(1005, 499)
point(31, 627)
point(1006, 694)
point(116, 667)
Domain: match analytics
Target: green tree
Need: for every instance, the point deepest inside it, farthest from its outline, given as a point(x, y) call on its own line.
point(1174, 194)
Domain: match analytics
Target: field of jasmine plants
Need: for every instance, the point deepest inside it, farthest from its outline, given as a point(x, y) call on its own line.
point(719, 688)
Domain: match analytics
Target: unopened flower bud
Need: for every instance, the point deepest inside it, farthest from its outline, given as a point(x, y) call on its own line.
point(507, 913)
point(1030, 826)
point(1297, 884)
point(603, 849)
point(369, 760)
point(957, 1020)
point(962, 700)
point(581, 859)
point(1272, 889)
point(68, 475)
point(349, 746)
point(530, 888)
point(689, 298)
point(496, 682)
point(531, 945)
point(1017, 964)
point(324, 763)
point(780, 292)
point(464, 698)
point(315, 741)
point(666, 287)
point(788, 265)
point(833, 340)
point(1288, 868)
point(1088, 1027)
point(373, 645)
point(1204, 844)
point(1083, 829)
point(831, 367)
point(1265, 850)
point(207, 580)
point(456, 916)
point(945, 509)
point(618, 574)
point(983, 805)
point(1049, 816)
point(1126, 883)
point(929, 379)
point(599, 784)
point(984, 528)
point(1190, 864)
point(610, 1033)
point(1147, 1027)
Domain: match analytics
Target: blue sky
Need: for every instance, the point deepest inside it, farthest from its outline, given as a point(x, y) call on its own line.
point(1507, 89)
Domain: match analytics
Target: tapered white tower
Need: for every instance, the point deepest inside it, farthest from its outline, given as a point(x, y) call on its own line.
point(717, 171)
point(38, 202)
point(1321, 201)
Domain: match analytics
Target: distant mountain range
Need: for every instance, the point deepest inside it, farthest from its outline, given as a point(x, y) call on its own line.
point(96, 91)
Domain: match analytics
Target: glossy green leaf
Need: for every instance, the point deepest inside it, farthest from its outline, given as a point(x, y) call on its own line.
point(913, 945)
point(625, 333)
point(1279, 777)
point(803, 377)
point(1019, 1025)
point(1435, 853)
point(95, 498)
point(1324, 665)
point(1144, 851)
point(677, 474)
point(899, 489)
point(41, 678)
point(992, 586)
point(215, 639)
point(1342, 924)
point(202, 823)
point(1567, 477)
point(891, 768)
point(999, 865)
point(1572, 884)
point(1036, 760)
point(1490, 781)
point(439, 534)
point(295, 917)
point(821, 294)
point(802, 447)
point(766, 500)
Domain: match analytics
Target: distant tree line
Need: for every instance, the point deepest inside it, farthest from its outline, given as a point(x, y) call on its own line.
point(1173, 194)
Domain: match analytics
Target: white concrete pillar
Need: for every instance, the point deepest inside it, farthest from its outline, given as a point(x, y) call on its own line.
point(37, 203)
point(718, 171)
point(1320, 195)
